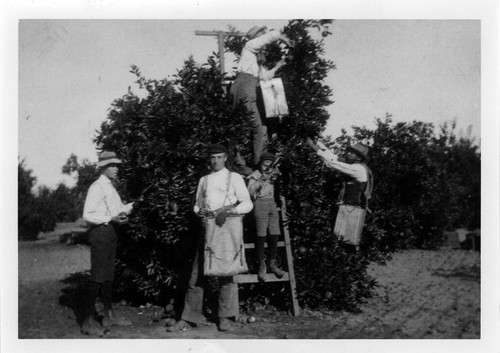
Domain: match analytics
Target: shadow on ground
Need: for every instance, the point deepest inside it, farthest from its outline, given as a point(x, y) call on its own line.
point(75, 294)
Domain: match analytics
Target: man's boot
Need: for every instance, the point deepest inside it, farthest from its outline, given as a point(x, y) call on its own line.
point(273, 250)
point(90, 326)
point(262, 271)
point(108, 314)
point(224, 324)
point(274, 268)
point(259, 246)
point(111, 319)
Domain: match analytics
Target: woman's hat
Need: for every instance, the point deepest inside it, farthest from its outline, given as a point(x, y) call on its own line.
point(107, 157)
point(254, 30)
point(360, 149)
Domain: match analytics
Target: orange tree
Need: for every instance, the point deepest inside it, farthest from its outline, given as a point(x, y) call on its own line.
point(427, 181)
point(163, 140)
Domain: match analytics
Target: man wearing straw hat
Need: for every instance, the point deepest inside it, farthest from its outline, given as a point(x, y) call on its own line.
point(356, 190)
point(104, 212)
point(221, 199)
point(250, 71)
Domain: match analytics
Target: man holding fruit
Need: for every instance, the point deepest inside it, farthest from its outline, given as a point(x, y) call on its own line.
point(103, 211)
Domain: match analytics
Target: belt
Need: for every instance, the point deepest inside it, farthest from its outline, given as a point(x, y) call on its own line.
point(95, 226)
point(211, 214)
point(245, 75)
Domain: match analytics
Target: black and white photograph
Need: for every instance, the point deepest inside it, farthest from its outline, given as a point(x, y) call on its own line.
point(216, 177)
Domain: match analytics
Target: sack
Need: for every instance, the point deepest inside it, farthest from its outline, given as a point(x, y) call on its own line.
point(224, 253)
point(273, 96)
point(349, 223)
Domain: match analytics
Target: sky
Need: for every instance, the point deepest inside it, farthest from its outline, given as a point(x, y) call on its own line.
point(70, 71)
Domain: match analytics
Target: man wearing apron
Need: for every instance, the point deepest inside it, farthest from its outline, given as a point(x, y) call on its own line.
point(220, 195)
point(356, 191)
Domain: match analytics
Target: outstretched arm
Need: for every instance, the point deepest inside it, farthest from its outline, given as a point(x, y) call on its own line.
point(256, 44)
point(269, 74)
point(330, 159)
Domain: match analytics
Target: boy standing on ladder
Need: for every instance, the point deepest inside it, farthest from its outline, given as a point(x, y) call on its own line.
point(261, 189)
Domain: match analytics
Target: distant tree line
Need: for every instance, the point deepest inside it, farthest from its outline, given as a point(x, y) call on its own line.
point(39, 212)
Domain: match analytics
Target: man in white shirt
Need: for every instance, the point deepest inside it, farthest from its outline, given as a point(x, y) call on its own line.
point(356, 191)
point(215, 197)
point(103, 211)
point(250, 71)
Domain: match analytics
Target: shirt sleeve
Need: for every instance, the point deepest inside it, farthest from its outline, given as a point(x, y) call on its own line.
point(198, 203)
point(127, 208)
point(258, 43)
point(92, 212)
point(265, 74)
point(357, 171)
point(242, 195)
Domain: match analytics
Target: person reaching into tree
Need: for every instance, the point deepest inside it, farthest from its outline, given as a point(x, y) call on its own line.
point(356, 191)
point(250, 71)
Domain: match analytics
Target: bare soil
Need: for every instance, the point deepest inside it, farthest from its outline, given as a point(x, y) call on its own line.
point(421, 295)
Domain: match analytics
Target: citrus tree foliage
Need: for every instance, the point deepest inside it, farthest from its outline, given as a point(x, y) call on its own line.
point(163, 140)
point(329, 273)
point(427, 181)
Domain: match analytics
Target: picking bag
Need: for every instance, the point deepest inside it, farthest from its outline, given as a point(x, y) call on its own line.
point(273, 96)
point(224, 253)
point(349, 223)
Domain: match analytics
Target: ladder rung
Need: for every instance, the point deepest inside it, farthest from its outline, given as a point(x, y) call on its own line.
point(251, 278)
point(252, 245)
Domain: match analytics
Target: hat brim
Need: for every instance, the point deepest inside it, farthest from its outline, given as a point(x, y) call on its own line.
point(108, 161)
point(359, 154)
point(253, 32)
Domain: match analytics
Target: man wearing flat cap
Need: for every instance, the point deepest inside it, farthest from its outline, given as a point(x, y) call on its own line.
point(104, 212)
point(250, 71)
point(221, 200)
point(261, 189)
point(356, 190)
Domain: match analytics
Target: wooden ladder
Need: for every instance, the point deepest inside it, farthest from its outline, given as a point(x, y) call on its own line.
point(271, 277)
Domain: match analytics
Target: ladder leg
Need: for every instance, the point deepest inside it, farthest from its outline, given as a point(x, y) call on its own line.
point(289, 259)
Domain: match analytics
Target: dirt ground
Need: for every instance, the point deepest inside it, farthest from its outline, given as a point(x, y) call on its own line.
point(421, 295)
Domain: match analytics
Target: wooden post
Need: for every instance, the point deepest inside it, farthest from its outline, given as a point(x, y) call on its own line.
point(220, 39)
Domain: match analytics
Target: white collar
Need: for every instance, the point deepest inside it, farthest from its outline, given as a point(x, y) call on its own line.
point(104, 179)
point(219, 172)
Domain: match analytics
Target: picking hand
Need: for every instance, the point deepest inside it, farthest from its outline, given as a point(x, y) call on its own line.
point(284, 38)
point(220, 219)
point(280, 63)
point(310, 143)
point(122, 218)
point(202, 212)
point(321, 145)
